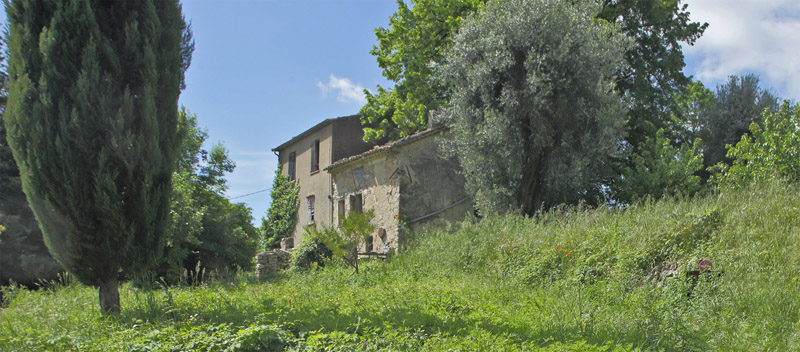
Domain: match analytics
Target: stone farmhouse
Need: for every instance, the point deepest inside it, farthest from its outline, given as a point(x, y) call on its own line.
point(407, 182)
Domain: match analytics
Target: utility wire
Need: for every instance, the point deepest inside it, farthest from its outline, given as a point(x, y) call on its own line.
point(250, 194)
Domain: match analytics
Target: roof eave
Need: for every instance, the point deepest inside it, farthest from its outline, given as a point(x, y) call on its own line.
point(309, 131)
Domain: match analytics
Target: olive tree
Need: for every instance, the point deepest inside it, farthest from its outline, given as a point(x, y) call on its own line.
point(534, 113)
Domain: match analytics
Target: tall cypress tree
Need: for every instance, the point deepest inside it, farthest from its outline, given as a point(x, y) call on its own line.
point(23, 256)
point(92, 121)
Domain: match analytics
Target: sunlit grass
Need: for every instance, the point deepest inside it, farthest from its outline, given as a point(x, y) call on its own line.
point(500, 284)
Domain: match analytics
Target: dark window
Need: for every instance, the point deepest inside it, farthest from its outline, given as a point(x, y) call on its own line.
point(310, 200)
point(341, 211)
point(370, 244)
point(315, 156)
point(292, 166)
point(355, 203)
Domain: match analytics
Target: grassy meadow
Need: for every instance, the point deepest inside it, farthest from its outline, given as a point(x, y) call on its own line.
point(568, 280)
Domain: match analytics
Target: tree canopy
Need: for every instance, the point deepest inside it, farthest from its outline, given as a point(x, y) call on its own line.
point(771, 150)
point(92, 122)
point(208, 232)
point(653, 75)
point(416, 39)
point(736, 105)
point(533, 110)
point(418, 36)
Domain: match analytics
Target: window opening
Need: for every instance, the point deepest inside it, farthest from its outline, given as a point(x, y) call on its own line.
point(370, 243)
point(310, 200)
point(341, 211)
point(292, 166)
point(355, 203)
point(315, 156)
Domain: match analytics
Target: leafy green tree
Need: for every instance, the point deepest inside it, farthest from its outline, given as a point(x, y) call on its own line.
point(417, 37)
point(207, 231)
point(534, 115)
point(282, 213)
point(737, 104)
point(92, 122)
point(772, 150)
point(690, 110)
point(653, 75)
point(25, 258)
point(343, 242)
point(186, 212)
point(660, 170)
point(668, 163)
point(228, 241)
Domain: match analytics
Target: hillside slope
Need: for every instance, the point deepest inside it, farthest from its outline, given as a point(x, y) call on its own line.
point(570, 279)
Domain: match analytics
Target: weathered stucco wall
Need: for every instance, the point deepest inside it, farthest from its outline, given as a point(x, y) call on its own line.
point(315, 183)
point(431, 184)
point(338, 138)
point(374, 181)
point(402, 184)
point(348, 137)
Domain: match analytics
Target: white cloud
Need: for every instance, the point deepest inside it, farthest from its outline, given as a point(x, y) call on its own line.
point(748, 36)
point(346, 91)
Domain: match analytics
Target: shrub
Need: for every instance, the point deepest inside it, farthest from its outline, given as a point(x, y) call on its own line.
point(311, 252)
point(773, 151)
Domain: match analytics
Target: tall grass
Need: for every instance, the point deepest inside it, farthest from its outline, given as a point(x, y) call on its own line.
point(499, 284)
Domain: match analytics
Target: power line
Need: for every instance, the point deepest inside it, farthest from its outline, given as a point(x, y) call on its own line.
point(250, 194)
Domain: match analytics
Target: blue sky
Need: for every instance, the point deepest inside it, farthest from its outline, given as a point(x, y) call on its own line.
point(266, 70)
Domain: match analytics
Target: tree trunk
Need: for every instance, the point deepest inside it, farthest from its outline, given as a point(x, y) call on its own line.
point(531, 186)
point(109, 297)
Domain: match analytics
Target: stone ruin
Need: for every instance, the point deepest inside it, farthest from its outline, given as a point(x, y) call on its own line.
point(271, 262)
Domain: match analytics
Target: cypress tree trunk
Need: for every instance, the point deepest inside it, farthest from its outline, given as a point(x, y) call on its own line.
point(109, 296)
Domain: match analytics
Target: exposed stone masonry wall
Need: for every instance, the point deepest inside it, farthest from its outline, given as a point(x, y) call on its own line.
point(272, 262)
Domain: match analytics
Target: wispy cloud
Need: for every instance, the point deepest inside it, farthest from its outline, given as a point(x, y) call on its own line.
point(748, 36)
point(346, 91)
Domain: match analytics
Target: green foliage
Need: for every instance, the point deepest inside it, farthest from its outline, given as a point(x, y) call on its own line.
point(737, 104)
point(689, 113)
point(485, 288)
point(533, 112)
point(772, 150)
point(92, 122)
point(418, 35)
point(344, 241)
point(207, 230)
point(311, 253)
point(654, 71)
point(282, 213)
point(25, 259)
point(421, 32)
point(660, 170)
point(185, 212)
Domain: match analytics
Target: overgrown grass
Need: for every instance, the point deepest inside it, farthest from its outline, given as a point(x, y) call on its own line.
point(501, 284)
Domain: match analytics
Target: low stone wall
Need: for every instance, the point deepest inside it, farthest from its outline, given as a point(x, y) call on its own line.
point(272, 262)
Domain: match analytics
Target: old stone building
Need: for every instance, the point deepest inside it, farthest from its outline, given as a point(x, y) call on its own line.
point(304, 159)
point(407, 182)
